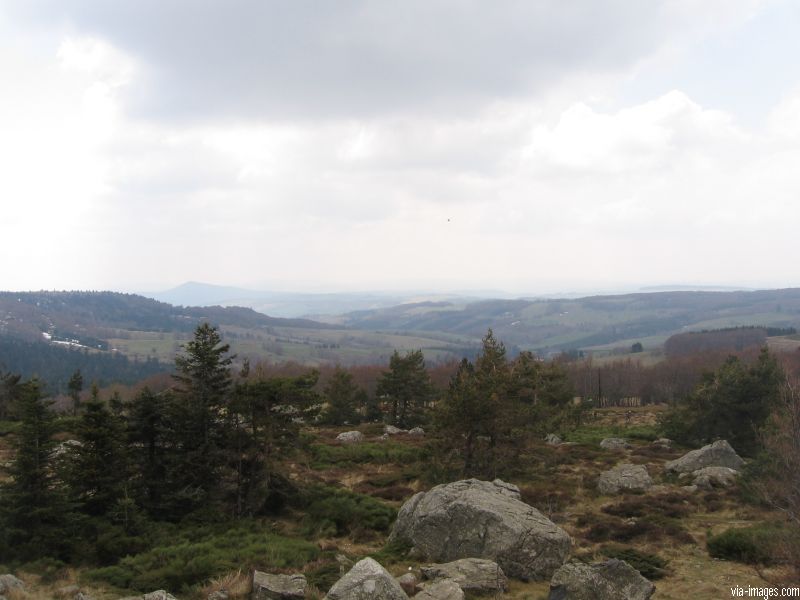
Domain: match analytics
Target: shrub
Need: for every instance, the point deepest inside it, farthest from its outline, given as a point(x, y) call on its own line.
point(333, 511)
point(751, 545)
point(324, 455)
point(199, 554)
point(651, 566)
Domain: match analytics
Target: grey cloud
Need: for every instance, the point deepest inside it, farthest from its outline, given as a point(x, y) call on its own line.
point(305, 60)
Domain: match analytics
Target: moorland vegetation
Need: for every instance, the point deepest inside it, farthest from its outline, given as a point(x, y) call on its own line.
point(183, 485)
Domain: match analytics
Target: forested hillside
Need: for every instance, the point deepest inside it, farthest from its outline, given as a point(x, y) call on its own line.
point(552, 325)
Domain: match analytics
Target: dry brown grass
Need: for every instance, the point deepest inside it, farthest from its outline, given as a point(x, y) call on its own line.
point(236, 583)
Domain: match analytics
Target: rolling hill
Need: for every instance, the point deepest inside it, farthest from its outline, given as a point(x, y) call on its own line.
point(590, 322)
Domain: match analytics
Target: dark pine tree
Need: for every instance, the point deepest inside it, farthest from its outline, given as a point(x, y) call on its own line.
point(36, 518)
point(342, 396)
point(199, 426)
point(99, 468)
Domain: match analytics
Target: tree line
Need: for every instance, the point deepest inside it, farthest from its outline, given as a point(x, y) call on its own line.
point(212, 446)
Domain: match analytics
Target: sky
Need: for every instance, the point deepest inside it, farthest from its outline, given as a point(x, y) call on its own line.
point(529, 146)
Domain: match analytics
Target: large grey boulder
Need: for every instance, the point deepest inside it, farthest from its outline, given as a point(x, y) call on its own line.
point(609, 580)
point(482, 519)
point(614, 444)
point(444, 589)
point(711, 477)
point(8, 582)
point(477, 575)
point(718, 454)
point(350, 437)
point(624, 477)
point(367, 580)
point(267, 586)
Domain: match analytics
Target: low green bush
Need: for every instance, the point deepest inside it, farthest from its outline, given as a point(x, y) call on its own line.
point(393, 552)
point(194, 556)
point(333, 511)
point(594, 434)
point(751, 545)
point(325, 456)
point(650, 566)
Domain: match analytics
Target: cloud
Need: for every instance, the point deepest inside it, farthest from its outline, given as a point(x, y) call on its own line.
point(301, 60)
point(366, 145)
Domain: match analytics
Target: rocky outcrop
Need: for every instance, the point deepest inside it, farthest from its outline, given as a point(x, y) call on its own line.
point(662, 444)
point(392, 430)
point(614, 444)
point(711, 477)
point(367, 580)
point(267, 586)
point(444, 589)
point(609, 580)
point(416, 431)
point(8, 582)
point(482, 519)
point(477, 575)
point(624, 477)
point(350, 437)
point(718, 454)
point(551, 439)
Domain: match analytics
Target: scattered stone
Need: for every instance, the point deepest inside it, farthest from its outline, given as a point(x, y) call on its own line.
point(718, 454)
point(65, 448)
point(624, 477)
point(659, 489)
point(419, 431)
point(218, 595)
point(444, 589)
point(663, 443)
point(476, 575)
point(614, 444)
point(551, 439)
point(711, 477)
point(367, 580)
point(482, 519)
point(158, 595)
point(8, 582)
point(267, 586)
point(82, 596)
point(408, 581)
point(350, 437)
point(691, 489)
point(609, 580)
point(392, 430)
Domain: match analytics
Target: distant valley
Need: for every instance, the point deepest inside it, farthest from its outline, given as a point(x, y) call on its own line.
point(125, 337)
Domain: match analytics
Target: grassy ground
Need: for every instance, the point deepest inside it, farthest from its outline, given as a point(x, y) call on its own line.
point(358, 488)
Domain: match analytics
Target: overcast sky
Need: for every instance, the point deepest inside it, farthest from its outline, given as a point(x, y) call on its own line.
point(532, 146)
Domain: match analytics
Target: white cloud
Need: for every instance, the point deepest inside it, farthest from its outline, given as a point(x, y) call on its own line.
point(540, 181)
